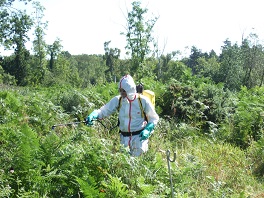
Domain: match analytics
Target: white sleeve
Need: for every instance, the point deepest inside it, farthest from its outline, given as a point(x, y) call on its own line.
point(150, 112)
point(109, 108)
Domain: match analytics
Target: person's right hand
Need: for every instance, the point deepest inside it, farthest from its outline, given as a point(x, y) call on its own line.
point(93, 116)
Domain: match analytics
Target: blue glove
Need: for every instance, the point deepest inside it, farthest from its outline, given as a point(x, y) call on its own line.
point(91, 117)
point(146, 131)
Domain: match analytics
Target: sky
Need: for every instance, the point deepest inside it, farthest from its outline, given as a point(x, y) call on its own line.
point(84, 25)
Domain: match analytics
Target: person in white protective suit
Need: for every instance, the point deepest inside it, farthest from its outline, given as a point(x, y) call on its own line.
point(134, 129)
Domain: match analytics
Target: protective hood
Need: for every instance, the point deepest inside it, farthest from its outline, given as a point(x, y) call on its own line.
point(127, 83)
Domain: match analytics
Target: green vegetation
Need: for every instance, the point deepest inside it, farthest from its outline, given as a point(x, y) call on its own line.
point(214, 157)
point(211, 111)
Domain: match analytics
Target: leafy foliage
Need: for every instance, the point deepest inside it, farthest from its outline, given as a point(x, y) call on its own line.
point(216, 133)
point(78, 161)
point(248, 118)
point(199, 103)
point(139, 35)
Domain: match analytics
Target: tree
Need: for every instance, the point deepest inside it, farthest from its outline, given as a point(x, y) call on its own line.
point(6, 78)
point(39, 44)
point(209, 68)
point(262, 72)
point(138, 35)
point(63, 72)
point(192, 61)
point(175, 70)
point(53, 51)
point(8, 3)
point(231, 70)
point(162, 65)
point(20, 24)
point(111, 56)
point(14, 26)
point(91, 68)
point(253, 56)
point(7, 12)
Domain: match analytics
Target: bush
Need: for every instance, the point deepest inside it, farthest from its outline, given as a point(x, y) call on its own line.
point(248, 119)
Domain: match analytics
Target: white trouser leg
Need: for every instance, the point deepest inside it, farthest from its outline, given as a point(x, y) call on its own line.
point(136, 146)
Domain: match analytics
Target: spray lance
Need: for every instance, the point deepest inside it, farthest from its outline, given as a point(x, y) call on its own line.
point(76, 123)
point(67, 124)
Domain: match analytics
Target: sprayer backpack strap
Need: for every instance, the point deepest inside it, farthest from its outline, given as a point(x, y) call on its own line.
point(119, 103)
point(143, 114)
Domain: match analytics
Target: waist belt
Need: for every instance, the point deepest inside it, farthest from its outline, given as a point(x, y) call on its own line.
point(126, 134)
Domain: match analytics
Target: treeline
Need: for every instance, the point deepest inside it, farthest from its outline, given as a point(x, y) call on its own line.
point(237, 65)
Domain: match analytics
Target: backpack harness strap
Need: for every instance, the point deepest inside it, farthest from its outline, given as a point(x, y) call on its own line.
point(143, 114)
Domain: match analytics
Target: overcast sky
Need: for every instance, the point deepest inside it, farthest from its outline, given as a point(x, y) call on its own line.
point(84, 25)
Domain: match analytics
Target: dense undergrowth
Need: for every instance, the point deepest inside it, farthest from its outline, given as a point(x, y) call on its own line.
point(217, 137)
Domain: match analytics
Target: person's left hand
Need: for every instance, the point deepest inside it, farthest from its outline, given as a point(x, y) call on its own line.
point(144, 134)
point(146, 131)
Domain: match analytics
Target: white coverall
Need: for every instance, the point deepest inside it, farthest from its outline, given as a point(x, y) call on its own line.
point(130, 116)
